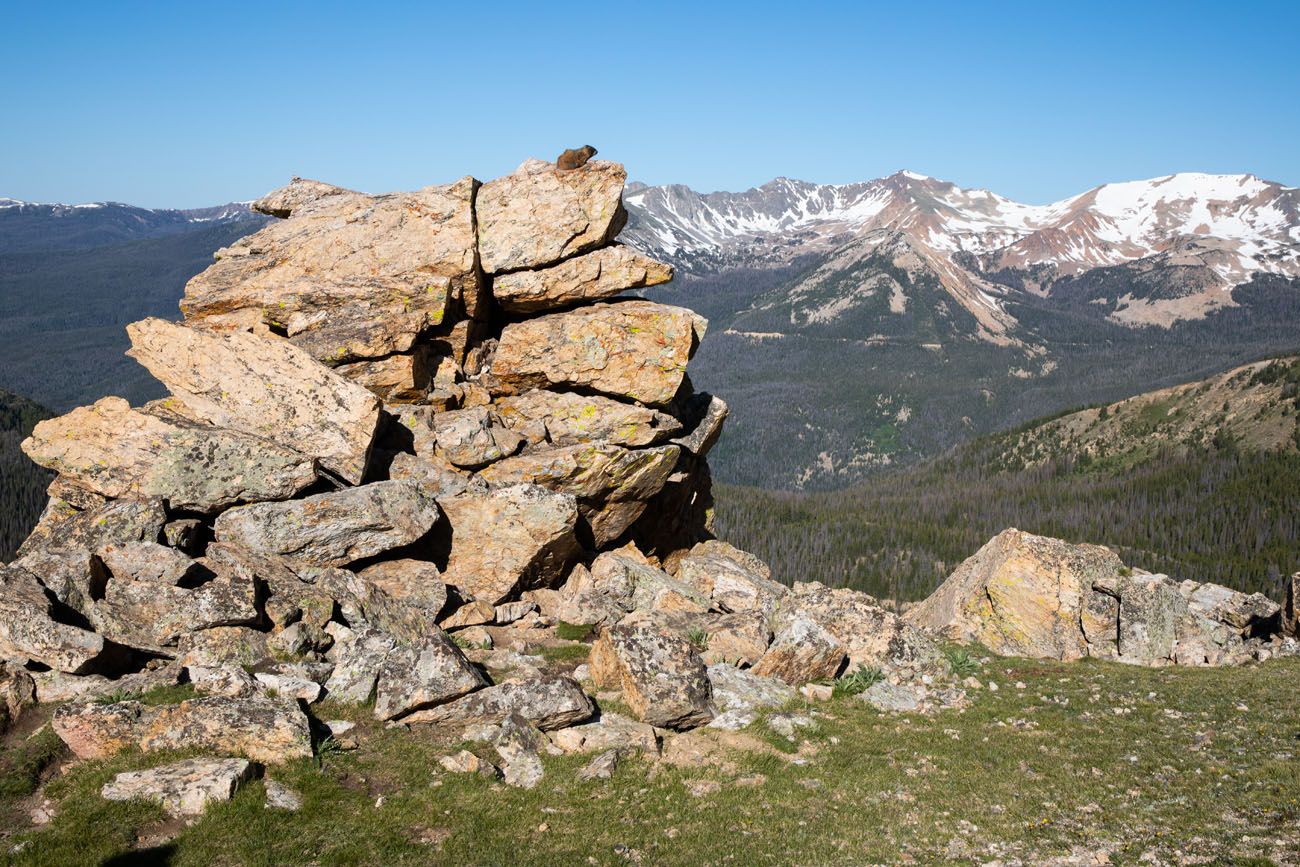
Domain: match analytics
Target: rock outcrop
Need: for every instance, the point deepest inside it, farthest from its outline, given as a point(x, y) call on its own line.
point(1026, 595)
point(407, 436)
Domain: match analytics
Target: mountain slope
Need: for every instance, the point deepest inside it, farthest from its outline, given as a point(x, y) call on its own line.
point(63, 307)
point(1201, 481)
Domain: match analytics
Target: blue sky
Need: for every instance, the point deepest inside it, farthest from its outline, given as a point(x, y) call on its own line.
point(184, 104)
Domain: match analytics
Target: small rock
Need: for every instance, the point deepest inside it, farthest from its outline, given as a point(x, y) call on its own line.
point(465, 762)
point(602, 767)
point(281, 797)
point(520, 745)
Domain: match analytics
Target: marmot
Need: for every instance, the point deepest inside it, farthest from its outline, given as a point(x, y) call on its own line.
point(575, 158)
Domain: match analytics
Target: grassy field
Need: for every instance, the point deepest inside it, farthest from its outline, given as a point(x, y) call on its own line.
point(1146, 766)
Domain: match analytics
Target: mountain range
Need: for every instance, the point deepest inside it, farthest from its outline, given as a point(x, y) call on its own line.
point(865, 325)
point(981, 246)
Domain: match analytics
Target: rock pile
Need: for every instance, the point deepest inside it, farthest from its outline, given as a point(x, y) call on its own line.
point(397, 423)
point(1026, 595)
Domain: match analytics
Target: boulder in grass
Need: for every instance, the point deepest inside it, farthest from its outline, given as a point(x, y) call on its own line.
point(184, 788)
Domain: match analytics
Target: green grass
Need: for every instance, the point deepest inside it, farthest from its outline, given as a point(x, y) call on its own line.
point(858, 681)
point(961, 662)
point(574, 631)
point(563, 652)
point(21, 766)
point(1166, 763)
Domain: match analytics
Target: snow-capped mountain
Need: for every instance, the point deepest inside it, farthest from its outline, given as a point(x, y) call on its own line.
point(981, 245)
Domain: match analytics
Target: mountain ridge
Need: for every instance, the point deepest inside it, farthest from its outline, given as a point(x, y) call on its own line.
point(983, 246)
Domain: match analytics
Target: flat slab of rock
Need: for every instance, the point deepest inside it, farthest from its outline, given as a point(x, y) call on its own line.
point(591, 277)
point(264, 730)
point(336, 528)
point(149, 562)
point(893, 698)
point(540, 215)
point(118, 451)
point(565, 418)
point(704, 418)
point(261, 386)
point(184, 788)
point(412, 678)
point(399, 378)
point(126, 520)
point(636, 350)
point(612, 484)
point(548, 703)
point(611, 731)
point(1245, 612)
point(737, 689)
point(802, 651)
point(347, 275)
point(532, 541)
point(662, 677)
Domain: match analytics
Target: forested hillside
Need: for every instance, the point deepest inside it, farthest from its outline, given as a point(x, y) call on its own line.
point(63, 311)
point(22, 483)
point(1217, 502)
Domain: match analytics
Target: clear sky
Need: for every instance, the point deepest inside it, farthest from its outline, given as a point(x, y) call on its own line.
point(188, 103)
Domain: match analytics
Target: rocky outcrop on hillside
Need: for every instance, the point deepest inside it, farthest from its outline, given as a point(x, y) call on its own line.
point(1026, 595)
point(403, 429)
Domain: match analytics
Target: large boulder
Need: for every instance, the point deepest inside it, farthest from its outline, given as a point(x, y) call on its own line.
point(730, 578)
point(126, 520)
point(547, 702)
point(28, 629)
point(1247, 613)
point(265, 387)
point(540, 215)
point(264, 730)
point(510, 539)
point(635, 585)
point(1019, 595)
point(873, 637)
point(629, 349)
point(150, 616)
point(565, 418)
point(1039, 597)
point(592, 277)
point(612, 484)
point(661, 675)
point(347, 275)
point(802, 652)
point(117, 451)
point(415, 677)
point(336, 528)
